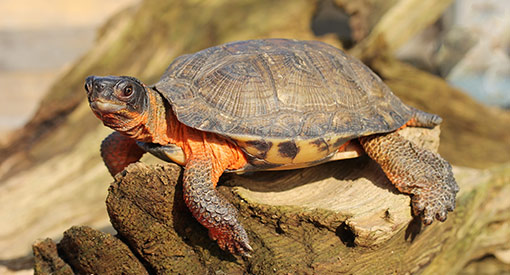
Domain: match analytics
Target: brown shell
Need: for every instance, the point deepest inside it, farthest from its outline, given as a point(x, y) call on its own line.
point(277, 90)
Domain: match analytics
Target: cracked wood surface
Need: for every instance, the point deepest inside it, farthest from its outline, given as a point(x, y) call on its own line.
point(339, 217)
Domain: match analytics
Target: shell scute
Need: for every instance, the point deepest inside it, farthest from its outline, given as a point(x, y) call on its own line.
point(278, 89)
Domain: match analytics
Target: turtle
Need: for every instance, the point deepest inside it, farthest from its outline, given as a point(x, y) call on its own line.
point(269, 104)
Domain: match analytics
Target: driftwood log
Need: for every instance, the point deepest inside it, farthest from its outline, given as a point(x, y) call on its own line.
point(340, 217)
point(54, 166)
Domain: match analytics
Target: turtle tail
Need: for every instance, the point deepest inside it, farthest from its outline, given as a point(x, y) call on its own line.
point(424, 119)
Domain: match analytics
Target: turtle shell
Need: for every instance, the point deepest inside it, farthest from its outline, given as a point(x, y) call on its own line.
point(278, 91)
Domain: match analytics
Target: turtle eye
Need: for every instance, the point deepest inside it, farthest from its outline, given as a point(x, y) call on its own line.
point(127, 91)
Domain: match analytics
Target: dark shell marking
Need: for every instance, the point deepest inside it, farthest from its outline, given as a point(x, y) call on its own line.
point(260, 145)
point(288, 149)
point(320, 143)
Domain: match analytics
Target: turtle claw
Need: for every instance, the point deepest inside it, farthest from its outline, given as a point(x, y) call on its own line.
point(433, 203)
point(442, 216)
point(232, 237)
point(427, 220)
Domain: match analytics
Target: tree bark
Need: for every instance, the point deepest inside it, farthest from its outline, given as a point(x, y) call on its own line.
point(340, 217)
point(86, 251)
point(397, 25)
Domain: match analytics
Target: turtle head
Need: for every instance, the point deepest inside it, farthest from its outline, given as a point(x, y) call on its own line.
point(119, 101)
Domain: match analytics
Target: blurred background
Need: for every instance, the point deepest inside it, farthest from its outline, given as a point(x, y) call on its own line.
point(38, 41)
point(450, 58)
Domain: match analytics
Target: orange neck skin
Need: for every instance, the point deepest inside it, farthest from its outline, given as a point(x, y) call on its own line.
point(164, 128)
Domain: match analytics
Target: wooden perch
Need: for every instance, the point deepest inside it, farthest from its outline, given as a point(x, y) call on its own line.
point(340, 217)
point(88, 251)
point(399, 24)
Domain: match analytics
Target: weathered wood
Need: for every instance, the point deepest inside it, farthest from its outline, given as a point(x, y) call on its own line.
point(46, 259)
point(89, 251)
point(54, 166)
point(399, 24)
point(359, 224)
point(373, 217)
point(146, 207)
point(340, 217)
point(364, 14)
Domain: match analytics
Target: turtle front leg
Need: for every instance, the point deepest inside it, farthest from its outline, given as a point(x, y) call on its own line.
point(211, 209)
point(118, 151)
point(416, 171)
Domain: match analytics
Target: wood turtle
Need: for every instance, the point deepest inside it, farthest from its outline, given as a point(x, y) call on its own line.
point(266, 105)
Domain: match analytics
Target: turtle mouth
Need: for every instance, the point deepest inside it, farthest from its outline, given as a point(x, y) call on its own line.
point(105, 107)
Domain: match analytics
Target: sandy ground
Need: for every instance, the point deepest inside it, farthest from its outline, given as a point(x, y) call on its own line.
point(38, 41)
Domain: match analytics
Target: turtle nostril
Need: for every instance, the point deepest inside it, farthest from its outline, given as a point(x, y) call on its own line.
point(99, 87)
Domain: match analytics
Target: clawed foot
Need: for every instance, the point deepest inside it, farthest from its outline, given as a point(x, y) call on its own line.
point(416, 171)
point(231, 237)
point(435, 194)
point(430, 206)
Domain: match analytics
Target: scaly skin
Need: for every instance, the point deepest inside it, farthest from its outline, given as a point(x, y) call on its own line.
point(207, 157)
point(416, 171)
point(423, 119)
point(118, 151)
point(211, 209)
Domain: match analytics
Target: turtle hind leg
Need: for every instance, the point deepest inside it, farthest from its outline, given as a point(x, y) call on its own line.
point(118, 151)
point(416, 171)
point(211, 209)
